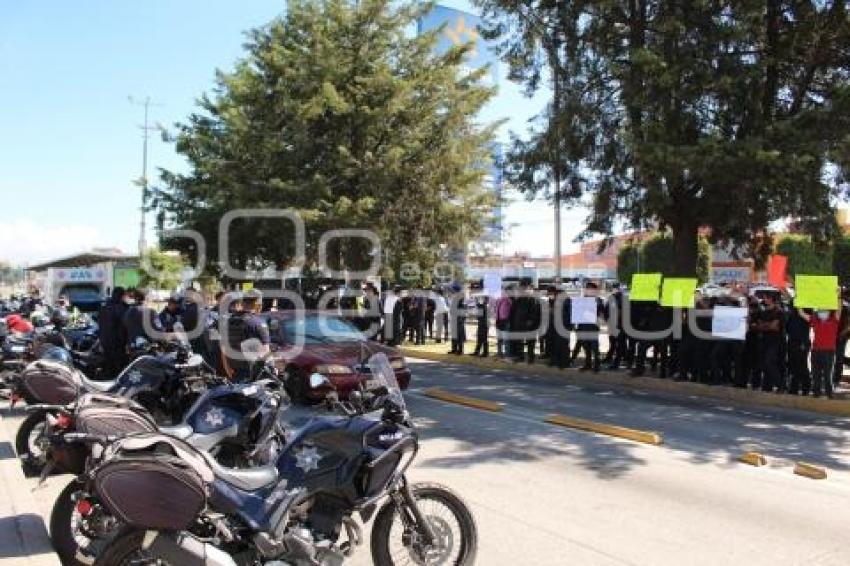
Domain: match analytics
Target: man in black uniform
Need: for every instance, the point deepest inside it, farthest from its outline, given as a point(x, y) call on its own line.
point(457, 319)
point(247, 335)
point(799, 345)
point(113, 339)
point(771, 327)
point(139, 318)
point(482, 329)
point(171, 314)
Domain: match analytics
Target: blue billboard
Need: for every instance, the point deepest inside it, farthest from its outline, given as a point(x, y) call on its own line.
point(461, 28)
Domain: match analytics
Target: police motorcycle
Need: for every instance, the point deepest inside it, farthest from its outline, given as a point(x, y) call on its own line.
point(238, 424)
point(165, 378)
point(180, 507)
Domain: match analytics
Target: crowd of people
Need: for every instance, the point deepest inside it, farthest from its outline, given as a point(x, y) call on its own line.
point(784, 349)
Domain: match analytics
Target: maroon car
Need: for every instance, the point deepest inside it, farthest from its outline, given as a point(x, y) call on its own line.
point(331, 346)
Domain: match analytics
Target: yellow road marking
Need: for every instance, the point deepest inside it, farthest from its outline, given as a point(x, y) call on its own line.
point(484, 405)
point(753, 459)
point(810, 471)
point(646, 437)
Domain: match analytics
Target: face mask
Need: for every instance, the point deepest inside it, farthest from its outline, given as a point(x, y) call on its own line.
point(129, 302)
point(823, 315)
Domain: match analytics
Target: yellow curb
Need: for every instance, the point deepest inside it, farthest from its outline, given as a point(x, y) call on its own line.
point(645, 437)
point(753, 459)
point(833, 407)
point(437, 393)
point(810, 471)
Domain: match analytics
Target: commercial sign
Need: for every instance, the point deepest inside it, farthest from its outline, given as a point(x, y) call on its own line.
point(80, 274)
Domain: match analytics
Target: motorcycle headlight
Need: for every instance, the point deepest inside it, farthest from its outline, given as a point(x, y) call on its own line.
point(332, 369)
point(398, 363)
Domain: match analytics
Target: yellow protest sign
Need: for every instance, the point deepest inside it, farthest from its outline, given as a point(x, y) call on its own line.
point(645, 287)
point(678, 292)
point(816, 292)
point(247, 285)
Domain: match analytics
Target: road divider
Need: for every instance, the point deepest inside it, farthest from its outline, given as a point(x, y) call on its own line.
point(475, 403)
point(753, 459)
point(654, 438)
point(811, 471)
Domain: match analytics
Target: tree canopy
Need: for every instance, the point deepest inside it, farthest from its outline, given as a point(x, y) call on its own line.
point(339, 112)
point(682, 115)
point(654, 255)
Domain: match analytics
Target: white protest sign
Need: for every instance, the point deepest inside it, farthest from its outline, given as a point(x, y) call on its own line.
point(730, 323)
point(583, 310)
point(493, 284)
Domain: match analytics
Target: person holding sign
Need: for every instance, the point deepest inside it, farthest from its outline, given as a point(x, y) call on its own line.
point(825, 326)
point(585, 313)
point(770, 325)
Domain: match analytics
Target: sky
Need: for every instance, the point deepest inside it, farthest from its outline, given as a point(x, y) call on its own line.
point(70, 141)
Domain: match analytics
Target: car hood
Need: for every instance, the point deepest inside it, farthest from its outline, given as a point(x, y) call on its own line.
point(341, 353)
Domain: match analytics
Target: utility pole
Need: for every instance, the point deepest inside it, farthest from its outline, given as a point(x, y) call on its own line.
point(146, 104)
point(556, 169)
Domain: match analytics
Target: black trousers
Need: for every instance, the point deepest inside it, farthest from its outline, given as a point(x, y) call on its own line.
point(482, 345)
point(798, 367)
point(770, 370)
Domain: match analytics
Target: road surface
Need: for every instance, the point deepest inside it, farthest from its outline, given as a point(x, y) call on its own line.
point(543, 494)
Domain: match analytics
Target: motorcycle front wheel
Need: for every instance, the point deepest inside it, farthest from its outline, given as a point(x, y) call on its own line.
point(126, 550)
point(74, 546)
point(456, 544)
point(31, 443)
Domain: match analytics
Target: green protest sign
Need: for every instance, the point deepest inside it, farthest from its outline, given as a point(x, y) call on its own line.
point(816, 292)
point(678, 292)
point(645, 287)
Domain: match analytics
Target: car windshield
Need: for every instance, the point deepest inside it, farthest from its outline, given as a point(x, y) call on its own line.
point(319, 330)
point(82, 294)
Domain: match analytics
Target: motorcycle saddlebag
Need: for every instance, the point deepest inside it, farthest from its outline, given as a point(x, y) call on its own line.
point(108, 415)
point(152, 481)
point(51, 382)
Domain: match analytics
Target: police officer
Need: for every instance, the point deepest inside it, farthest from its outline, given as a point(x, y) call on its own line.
point(140, 318)
point(171, 314)
point(457, 319)
point(247, 335)
point(482, 329)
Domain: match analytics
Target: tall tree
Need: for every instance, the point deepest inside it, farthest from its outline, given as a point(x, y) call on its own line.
point(694, 113)
point(336, 111)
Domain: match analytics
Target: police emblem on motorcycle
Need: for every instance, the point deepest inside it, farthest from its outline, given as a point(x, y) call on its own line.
point(214, 417)
point(134, 377)
point(308, 459)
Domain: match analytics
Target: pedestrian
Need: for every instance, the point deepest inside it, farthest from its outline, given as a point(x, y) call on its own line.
point(420, 306)
point(457, 319)
point(392, 309)
point(617, 346)
point(843, 335)
point(430, 306)
point(441, 316)
point(503, 321)
point(588, 333)
point(525, 323)
point(482, 326)
point(111, 333)
point(372, 309)
point(798, 330)
point(771, 330)
point(171, 314)
point(547, 344)
point(825, 325)
point(141, 320)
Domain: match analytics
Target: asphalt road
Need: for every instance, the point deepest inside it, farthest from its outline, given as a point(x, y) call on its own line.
point(543, 495)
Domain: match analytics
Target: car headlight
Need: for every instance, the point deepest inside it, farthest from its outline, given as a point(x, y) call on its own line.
point(332, 369)
point(398, 363)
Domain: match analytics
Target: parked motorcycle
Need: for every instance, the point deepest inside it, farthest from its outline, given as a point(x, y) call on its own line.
point(166, 380)
point(182, 507)
point(238, 424)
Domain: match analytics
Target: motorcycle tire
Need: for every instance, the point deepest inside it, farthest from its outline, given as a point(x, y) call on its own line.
point(423, 493)
point(61, 531)
point(31, 460)
point(125, 549)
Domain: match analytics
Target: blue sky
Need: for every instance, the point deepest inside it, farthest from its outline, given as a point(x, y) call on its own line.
point(71, 146)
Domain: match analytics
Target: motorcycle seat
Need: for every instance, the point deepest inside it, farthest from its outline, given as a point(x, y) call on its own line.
point(181, 431)
point(96, 386)
point(249, 479)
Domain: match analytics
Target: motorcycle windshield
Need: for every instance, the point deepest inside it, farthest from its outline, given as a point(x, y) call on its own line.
point(384, 375)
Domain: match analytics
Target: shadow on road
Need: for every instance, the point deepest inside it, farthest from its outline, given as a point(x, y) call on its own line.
point(29, 527)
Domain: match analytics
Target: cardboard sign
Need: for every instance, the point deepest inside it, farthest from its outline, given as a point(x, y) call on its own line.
point(729, 323)
point(645, 287)
point(816, 292)
point(247, 285)
point(678, 292)
point(583, 310)
point(777, 266)
point(493, 284)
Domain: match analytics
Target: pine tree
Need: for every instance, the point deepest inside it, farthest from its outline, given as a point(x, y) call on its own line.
point(339, 112)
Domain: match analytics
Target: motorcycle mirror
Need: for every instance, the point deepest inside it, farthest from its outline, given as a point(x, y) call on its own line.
point(318, 380)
